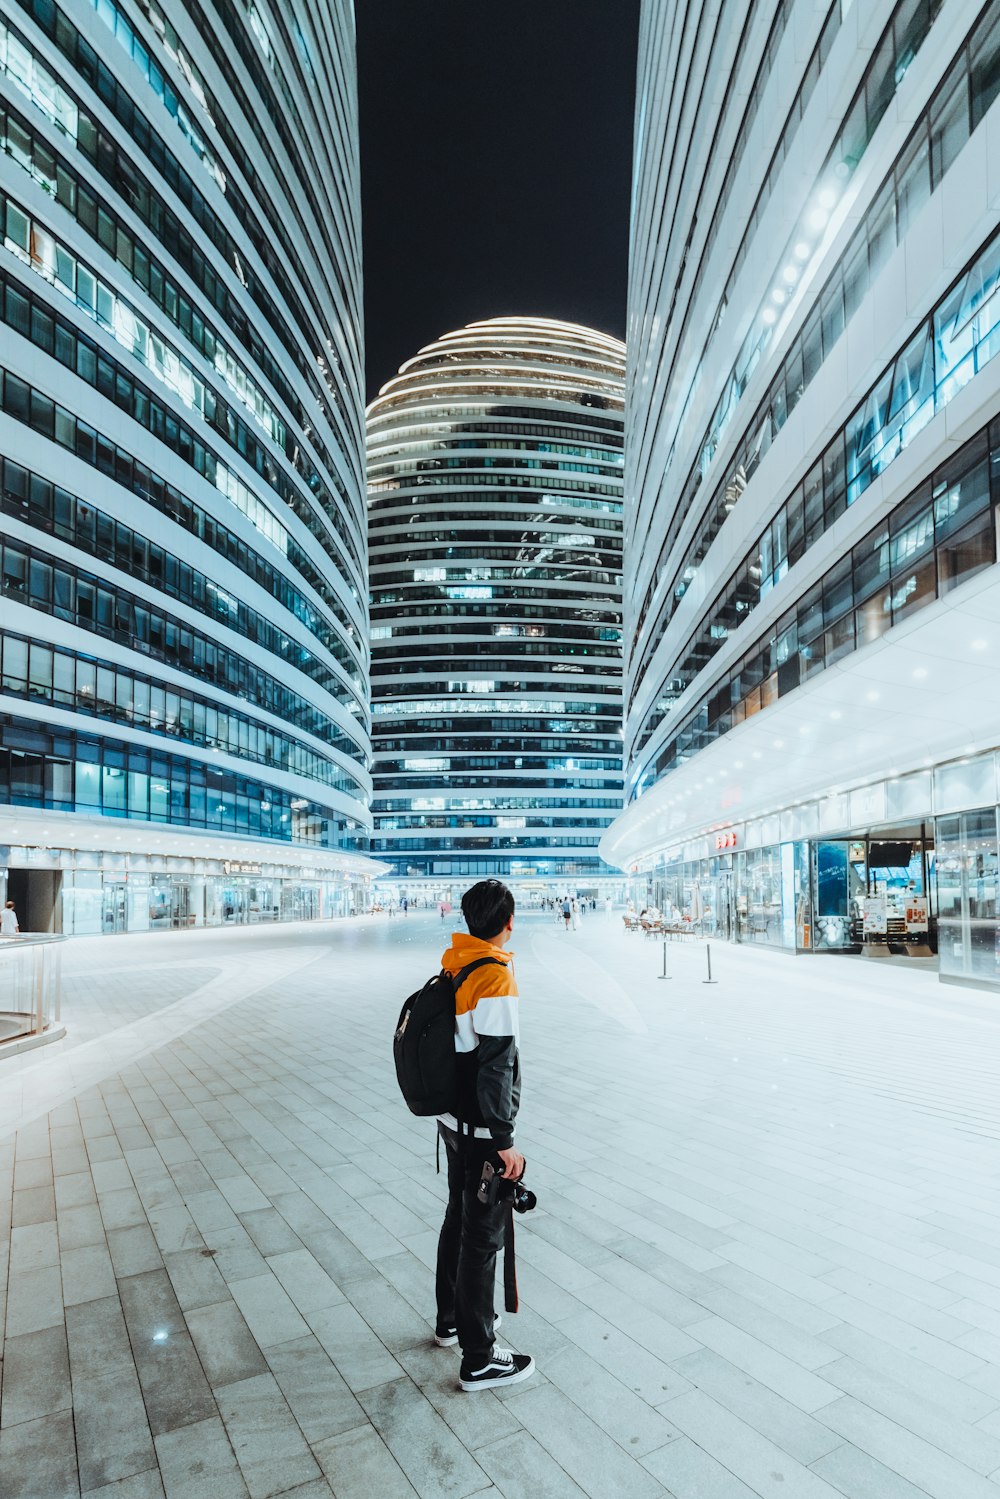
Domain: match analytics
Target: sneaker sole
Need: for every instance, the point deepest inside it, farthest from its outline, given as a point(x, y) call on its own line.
point(501, 1379)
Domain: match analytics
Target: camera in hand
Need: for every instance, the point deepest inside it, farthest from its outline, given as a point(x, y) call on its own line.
point(494, 1187)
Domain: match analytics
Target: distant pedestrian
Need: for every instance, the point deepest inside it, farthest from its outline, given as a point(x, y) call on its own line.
point(575, 913)
point(567, 913)
point(9, 926)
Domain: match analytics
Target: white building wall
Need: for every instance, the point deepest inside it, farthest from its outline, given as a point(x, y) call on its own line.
point(240, 182)
point(816, 207)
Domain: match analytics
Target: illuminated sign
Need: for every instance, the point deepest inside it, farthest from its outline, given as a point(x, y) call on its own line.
point(235, 866)
point(724, 841)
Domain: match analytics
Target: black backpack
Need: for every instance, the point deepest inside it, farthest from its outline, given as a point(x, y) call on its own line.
point(423, 1046)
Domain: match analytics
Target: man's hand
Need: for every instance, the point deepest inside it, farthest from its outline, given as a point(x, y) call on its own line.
point(513, 1163)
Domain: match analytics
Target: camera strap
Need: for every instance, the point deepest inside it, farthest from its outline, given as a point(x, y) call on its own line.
point(509, 1265)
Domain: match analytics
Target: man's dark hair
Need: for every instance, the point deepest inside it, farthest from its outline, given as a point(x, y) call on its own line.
point(487, 908)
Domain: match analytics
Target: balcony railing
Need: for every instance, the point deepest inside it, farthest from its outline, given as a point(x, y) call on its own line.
point(30, 986)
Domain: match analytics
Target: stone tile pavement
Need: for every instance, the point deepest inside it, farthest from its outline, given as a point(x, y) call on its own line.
point(765, 1260)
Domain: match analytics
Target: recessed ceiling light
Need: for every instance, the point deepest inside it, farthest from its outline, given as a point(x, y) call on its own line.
point(980, 644)
point(919, 673)
point(872, 696)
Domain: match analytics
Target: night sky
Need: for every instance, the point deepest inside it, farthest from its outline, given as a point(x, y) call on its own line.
point(496, 141)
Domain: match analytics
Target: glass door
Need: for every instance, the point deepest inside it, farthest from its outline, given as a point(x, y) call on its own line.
point(113, 909)
point(967, 872)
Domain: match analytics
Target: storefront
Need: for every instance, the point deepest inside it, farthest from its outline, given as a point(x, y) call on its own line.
point(88, 891)
point(905, 867)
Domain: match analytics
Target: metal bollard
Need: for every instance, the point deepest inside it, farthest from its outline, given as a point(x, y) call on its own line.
point(708, 957)
point(665, 974)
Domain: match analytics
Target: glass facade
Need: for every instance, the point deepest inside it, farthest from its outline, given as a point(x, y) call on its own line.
point(183, 570)
point(495, 497)
point(813, 481)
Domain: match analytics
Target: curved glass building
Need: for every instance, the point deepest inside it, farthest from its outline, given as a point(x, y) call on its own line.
point(495, 532)
point(812, 595)
point(184, 722)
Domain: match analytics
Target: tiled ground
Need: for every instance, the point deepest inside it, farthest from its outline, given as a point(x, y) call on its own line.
point(765, 1261)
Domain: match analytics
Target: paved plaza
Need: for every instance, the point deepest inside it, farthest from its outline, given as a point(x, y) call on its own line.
point(765, 1260)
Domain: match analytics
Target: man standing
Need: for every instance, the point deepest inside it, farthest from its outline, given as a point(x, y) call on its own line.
point(9, 926)
point(486, 1035)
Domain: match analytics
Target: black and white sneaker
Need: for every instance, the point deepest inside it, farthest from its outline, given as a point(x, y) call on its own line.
point(447, 1337)
point(504, 1367)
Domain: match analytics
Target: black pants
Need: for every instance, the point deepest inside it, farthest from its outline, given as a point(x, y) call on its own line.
point(471, 1234)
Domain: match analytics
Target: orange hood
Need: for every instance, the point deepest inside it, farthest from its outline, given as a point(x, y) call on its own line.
point(466, 949)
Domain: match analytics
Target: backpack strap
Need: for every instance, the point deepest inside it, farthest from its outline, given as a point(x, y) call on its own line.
point(459, 978)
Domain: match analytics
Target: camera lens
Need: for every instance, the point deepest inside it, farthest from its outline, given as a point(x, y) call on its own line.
point(524, 1200)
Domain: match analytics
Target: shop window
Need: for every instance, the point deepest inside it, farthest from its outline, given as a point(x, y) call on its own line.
point(138, 794)
point(965, 783)
point(839, 639)
point(949, 124)
point(908, 796)
point(911, 538)
point(871, 563)
point(880, 84)
point(985, 73)
point(813, 658)
point(15, 665)
point(58, 783)
point(961, 489)
point(881, 227)
point(64, 679)
point(26, 779)
point(41, 671)
point(967, 870)
point(113, 791)
point(912, 591)
point(913, 184)
point(832, 315)
point(88, 785)
point(967, 553)
point(159, 797)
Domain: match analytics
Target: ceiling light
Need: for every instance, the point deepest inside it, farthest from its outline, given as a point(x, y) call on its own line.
point(802, 251)
point(770, 316)
point(778, 295)
point(791, 274)
point(872, 696)
point(836, 713)
point(980, 644)
point(827, 197)
point(818, 218)
point(919, 673)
